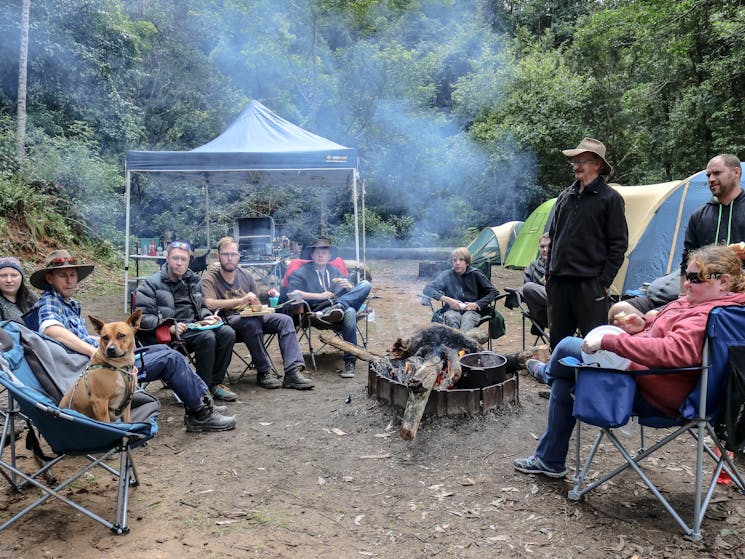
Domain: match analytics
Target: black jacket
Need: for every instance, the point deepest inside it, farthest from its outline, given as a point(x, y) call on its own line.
point(155, 297)
point(471, 287)
point(707, 226)
point(589, 235)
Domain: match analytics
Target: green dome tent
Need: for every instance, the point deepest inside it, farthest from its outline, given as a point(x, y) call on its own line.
point(492, 245)
point(525, 248)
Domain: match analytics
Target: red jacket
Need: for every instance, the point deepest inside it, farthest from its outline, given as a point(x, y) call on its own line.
point(673, 338)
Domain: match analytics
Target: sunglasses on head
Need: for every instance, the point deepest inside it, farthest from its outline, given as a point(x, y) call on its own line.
point(698, 277)
point(183, 245)
point(62, 260)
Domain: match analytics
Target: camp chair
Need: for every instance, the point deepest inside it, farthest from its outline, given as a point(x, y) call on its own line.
point(305, 320)
point(32, 396)
point(514, 300)
point(698, 416)
point(490, 316)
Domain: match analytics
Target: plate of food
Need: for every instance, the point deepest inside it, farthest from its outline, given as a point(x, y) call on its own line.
point(256, 310)
point(603, 358)
point(209, 323)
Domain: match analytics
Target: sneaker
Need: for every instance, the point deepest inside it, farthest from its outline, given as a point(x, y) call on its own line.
point(295, 379)
point(333, 315)
point(211, 423)
point(222, 392)
point(535, 369)
point(269, 380)
point(349, 369)
point(534, 465)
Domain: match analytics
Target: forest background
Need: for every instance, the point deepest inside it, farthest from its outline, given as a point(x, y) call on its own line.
point(458, 108)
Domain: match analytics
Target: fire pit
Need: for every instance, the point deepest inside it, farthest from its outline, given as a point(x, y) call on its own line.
point(437, 370)
point(482, 387)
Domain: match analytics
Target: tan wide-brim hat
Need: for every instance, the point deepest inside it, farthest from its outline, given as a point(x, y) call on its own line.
point(58, 260)
point(593, 146)
point(307, 252)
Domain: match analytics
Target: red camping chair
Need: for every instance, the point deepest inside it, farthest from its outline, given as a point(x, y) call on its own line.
point(305, 320)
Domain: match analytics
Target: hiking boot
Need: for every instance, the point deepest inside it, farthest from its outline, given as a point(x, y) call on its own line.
point(206, 420)
point(222, 392)
point(535, 369)
point(349, 369)
point(295, 379)
point(534, 465)
point(268, 380)
point(333, 314)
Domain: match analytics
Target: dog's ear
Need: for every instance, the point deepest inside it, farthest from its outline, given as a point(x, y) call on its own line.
point(134, 319)
point(97, 324)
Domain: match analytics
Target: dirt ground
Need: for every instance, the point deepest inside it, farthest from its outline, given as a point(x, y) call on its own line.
point(325, 474)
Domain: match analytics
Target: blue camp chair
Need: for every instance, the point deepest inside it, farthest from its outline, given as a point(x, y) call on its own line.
point(698, 417)
point(32, 396)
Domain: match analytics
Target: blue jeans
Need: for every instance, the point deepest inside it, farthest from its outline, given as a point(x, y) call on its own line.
point(251, 331)
point(554, 444)
point(160, 362)
point(351, 302)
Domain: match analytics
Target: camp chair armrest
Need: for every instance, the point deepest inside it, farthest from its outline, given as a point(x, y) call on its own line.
point(575, 363)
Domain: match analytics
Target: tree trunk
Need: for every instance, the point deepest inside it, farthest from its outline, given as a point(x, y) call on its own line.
point(22, 67)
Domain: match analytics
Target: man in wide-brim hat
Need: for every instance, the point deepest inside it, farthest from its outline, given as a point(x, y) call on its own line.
point(329, 293)
point(59, 260)
point(58, 315)
point(589, 238)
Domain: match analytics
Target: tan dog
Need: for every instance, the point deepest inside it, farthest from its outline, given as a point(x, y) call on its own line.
point(104, 390)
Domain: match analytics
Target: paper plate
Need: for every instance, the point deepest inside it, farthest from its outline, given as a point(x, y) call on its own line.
point(603, 358)
point(197, 326)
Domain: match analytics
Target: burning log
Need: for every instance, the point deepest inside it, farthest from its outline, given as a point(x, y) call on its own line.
point(420, 385)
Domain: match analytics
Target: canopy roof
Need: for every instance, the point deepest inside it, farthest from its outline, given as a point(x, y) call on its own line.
point(259, 146)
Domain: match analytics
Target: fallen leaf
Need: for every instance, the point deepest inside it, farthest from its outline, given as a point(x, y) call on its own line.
point(467, 482)
point(382, 435)
point(224, 522)
point(500, 538)
point(366, 553)
point(358, 519)
point(336, 431)
point(321, 481)
point(512, 489)
point(375, 456)
point(536, 437)
point(436, 486)
point(265, 423)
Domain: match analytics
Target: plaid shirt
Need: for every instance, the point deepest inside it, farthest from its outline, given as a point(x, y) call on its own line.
point(54, 310)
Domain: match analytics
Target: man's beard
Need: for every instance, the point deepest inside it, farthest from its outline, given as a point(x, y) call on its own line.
point(225, 268)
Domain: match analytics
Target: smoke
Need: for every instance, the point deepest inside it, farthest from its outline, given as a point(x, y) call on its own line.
point(392, 93)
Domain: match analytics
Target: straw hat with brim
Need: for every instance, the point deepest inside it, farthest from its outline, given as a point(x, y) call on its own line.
point(58, 260)
point(319, 243)
point(591, 145)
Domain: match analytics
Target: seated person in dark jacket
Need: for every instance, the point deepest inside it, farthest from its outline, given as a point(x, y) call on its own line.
point(330, 294)
point(175, 292)
point(58, 315)
point(466, 292)
point(534, 286)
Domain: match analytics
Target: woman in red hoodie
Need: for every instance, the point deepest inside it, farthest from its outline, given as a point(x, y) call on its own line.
point(674, 337)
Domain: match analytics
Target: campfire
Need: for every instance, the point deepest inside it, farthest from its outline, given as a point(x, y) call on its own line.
point(437, 369)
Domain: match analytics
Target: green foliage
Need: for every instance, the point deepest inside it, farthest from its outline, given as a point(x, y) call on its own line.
point(459, 108)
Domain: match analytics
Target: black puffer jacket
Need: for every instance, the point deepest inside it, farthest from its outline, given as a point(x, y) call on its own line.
point(155, 297)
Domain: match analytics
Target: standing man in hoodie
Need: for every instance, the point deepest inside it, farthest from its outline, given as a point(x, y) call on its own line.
point(722, 219)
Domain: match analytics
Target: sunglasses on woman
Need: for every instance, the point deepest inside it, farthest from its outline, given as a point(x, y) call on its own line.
point(698, 277)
